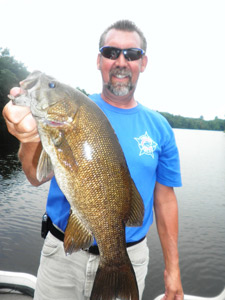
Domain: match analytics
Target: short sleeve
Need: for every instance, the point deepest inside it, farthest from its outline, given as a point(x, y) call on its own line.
point(168, 170)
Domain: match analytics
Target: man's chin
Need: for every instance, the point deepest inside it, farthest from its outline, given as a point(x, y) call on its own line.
point(119, 91)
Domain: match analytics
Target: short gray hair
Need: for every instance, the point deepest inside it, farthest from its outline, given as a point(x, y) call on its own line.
point(124, 25)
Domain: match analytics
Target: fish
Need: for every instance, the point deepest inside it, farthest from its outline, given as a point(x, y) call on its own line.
point(81, 147)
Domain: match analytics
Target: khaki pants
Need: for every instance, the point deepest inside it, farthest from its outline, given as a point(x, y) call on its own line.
point(71, 277)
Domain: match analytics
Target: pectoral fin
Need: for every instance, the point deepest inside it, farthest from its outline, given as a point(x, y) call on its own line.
point(57, 137)
point(44, 167)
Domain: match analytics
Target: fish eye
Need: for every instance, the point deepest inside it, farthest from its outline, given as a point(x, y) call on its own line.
point(52, 85)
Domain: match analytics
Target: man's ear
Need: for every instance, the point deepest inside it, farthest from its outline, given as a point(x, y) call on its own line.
point(99, 61)
point(144, 63)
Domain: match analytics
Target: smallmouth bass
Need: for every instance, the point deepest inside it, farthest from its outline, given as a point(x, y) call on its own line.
point(82, 149)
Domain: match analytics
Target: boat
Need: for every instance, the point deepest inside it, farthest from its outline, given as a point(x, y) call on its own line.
point(21, 286)
point(221, 296)
point(16, 285)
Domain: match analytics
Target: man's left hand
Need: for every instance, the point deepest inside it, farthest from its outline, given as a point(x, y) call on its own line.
point(173, 286)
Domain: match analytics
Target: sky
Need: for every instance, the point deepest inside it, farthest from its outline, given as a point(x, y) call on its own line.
point(186, 47)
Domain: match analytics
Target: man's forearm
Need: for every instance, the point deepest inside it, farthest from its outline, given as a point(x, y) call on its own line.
point(167, 225)
point(166, 212)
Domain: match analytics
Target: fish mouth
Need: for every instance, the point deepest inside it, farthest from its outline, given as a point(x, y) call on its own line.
point(28, 84)
point(21, 100)
point(32, 80)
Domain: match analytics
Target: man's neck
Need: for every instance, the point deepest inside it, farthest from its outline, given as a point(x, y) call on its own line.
point(124, 102)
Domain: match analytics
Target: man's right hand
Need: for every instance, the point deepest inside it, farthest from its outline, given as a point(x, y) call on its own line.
point(23, 126)
point(20, 121)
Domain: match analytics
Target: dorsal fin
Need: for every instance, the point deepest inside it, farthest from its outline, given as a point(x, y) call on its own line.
point(137, 208)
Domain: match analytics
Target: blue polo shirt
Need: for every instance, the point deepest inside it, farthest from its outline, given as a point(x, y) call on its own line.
point(151, 153)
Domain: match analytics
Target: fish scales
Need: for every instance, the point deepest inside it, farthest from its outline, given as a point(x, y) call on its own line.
point(91, 170)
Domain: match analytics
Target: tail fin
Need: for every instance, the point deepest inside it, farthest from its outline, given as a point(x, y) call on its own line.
point(113, 282)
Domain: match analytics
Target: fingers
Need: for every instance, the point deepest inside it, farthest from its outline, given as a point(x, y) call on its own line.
point(173, 296)
point(173, 286)
point(179, 297)
point(16, 91)
point(20, 121)
point(14, 113)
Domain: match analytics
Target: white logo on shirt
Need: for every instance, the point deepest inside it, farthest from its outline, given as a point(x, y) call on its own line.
point(146, 145)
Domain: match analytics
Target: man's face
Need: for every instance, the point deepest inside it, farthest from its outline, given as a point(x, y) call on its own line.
point(120, 76)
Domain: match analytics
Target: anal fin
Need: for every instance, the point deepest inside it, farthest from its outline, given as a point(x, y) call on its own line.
point(77, 236)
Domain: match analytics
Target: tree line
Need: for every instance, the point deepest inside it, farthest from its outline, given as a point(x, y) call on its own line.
point(194, 123)
point(12, 72)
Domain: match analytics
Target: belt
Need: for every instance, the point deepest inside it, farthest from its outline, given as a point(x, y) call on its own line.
point(92, 249)
point(56, 232)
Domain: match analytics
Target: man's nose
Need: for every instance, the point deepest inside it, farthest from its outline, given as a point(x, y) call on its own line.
point(121, 60)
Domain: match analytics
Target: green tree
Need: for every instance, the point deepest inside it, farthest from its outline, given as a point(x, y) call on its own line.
point(193, 123)
point(83, 91)
point(11, 73)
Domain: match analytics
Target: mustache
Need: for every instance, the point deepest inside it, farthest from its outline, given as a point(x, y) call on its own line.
point(120, 71)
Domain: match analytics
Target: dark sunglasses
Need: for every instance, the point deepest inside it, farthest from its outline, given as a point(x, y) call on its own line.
point(113, 53)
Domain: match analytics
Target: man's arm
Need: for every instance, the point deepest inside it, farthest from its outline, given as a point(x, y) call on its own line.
point(166, 213)
point(22, 125)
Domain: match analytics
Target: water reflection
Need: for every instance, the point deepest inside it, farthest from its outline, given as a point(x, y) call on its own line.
point(9, 164)
point(201, 218)
point(21, 208)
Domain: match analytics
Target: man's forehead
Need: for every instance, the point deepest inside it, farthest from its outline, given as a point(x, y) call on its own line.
point(122, 39)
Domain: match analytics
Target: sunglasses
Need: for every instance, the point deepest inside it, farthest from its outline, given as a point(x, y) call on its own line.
point(113, 53)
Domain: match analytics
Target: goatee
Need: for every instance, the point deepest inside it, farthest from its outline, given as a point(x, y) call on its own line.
point(120, 88)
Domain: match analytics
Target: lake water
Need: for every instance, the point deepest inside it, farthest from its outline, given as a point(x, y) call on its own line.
point(201, 218)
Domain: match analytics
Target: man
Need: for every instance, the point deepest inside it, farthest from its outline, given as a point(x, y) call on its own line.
point(150, 150)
